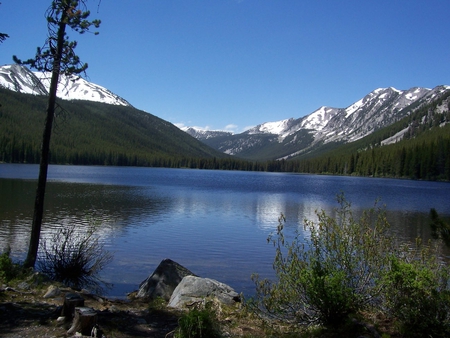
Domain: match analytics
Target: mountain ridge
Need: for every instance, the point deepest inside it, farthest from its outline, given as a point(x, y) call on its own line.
point(22, 80)
point(292, 137)
point(324, 128)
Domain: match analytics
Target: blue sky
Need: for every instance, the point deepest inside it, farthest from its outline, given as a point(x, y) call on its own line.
point(232, 64)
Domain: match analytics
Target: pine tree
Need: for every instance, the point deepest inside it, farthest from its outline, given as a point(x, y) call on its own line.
point(58, 57)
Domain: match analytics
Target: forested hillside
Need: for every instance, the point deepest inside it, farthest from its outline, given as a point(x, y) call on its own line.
point(93, 133)
point(90, 133)
point(423, 152)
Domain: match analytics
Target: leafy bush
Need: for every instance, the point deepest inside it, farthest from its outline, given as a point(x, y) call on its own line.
point(75, 258)
point(198, 323)
point(7, 268)
point(418, 294)
point(326, 278)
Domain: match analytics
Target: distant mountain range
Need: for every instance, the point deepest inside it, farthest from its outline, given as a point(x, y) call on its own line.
point(296, 138)
point(94, 127)
point(325, 128)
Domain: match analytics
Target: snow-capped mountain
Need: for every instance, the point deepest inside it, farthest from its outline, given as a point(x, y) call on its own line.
point(290, 137)
point(22, 80)
point(271, 140)
point(201, 134)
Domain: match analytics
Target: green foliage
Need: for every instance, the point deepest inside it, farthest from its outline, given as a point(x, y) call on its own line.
point(330, 276)
point(58, 53)
point(198, 323)
point(75, 257)
point(7, 268)
point(341, 268)
point(417, 294)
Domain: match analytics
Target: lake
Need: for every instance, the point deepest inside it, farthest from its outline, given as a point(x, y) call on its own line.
point(215, 223)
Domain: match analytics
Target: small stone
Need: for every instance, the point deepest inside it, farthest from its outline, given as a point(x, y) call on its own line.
point(61, 319)
point(24, 286)
point(114, 309)
point(52, 292)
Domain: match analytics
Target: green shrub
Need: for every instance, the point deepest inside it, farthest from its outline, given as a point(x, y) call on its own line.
point(418, 295)
point(7, 268)
point(331, 273)
point(198, 323)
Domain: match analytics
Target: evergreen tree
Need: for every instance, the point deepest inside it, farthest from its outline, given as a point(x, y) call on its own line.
point(58, 57)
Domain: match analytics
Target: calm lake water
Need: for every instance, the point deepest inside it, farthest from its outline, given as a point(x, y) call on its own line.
point(215, 223)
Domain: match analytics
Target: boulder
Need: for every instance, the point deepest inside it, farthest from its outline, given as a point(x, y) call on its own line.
point(194, 289)
point(163, 280)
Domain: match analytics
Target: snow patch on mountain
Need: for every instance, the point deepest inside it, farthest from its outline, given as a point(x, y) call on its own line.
point(318, 119)
point(21, 79)
point(353, 108)
point(204, 134)
point(76, 88)
point(276, 128)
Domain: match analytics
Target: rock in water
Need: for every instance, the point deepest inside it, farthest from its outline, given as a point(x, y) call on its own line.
point(163, 280)
point(194, 289)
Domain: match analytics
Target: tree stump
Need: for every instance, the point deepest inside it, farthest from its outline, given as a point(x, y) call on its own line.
point(71, 301)
point(83, 322)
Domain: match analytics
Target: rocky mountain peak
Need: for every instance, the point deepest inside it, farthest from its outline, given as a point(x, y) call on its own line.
point(376, 110)
point(21, 79)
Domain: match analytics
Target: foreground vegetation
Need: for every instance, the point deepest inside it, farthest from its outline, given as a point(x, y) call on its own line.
point(348, 273)
point(340, 275)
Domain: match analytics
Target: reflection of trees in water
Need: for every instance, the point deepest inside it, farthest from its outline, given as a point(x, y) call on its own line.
point(113, 208)
point(408, 226)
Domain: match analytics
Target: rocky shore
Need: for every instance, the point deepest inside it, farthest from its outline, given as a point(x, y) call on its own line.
point(33, 308)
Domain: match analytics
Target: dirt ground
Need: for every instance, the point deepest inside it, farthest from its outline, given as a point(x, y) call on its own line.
point(26, 313)
point(30, 315)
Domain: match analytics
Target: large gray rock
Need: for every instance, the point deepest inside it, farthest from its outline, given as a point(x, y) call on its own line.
point(194, 289)
point(163, 281)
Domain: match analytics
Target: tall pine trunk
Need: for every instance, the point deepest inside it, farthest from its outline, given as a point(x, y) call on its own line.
point(38, 213)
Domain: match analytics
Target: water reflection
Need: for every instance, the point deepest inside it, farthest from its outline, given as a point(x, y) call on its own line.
point(110, 208)
point(215, 223)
